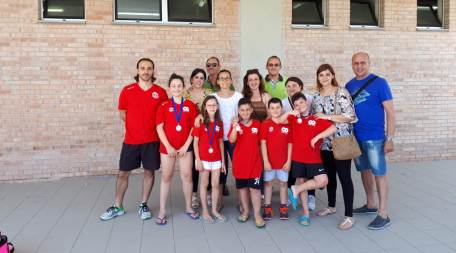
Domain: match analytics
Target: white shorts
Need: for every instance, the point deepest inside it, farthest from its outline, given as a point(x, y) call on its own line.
point(212, 165)
point(270, 175)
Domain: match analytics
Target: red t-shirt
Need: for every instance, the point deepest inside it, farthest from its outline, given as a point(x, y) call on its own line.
point(247, 162)
point(141, 106)
point(277, 137)
point(203, 141)
point(302, 135)
point(166, 116)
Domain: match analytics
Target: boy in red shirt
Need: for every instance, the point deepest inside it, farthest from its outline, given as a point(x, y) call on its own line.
point(138, 103)
point(276, 151)
point(306, 164)
point(247, 164)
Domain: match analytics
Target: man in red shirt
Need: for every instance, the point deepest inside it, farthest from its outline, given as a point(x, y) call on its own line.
point(138, 103)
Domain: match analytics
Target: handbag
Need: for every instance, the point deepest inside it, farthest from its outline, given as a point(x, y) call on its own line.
point(5, 246)
point(346, 147)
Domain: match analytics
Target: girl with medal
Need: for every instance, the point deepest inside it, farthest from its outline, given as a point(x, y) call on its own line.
point(175, 119)
point(294, 85)
point(209, 158)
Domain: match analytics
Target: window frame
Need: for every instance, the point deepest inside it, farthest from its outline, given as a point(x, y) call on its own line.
point(375, 14)
point(61, 19)
point(164, 5)
point(435, 13)
point(322, 15)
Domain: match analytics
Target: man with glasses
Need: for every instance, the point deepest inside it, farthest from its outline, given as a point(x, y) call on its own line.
point(212, 68)
point(274, 83)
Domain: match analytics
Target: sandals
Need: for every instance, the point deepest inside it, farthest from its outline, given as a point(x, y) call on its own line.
point(304, 220)
point(220, 218)
point(206, 220)
point(260, 223)
point(161, 221)
point(243, 218)
point(326, 211)
point(347, 223)
point(193, 215)
point(292, 198)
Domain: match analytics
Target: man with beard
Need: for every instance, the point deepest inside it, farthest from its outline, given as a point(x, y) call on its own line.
point(138, 103)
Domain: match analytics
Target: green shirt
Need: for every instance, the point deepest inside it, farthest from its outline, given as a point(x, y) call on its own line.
point(278, 90)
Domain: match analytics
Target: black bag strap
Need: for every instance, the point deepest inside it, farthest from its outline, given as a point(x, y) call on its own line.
point(11, 247)
point(364, 87)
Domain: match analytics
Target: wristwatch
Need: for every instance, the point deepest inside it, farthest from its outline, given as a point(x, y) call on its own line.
point(389, 138)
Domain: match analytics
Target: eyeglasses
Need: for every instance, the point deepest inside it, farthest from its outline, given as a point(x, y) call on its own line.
point(224, 78)
point(211, 65)
point(273, 65)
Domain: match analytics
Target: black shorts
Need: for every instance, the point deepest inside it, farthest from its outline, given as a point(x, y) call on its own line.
point(306, 170)
point(253, 183)
point(132, 155)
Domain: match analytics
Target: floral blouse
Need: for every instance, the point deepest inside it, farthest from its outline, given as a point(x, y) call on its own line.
point(188, 95)
point(325, 105)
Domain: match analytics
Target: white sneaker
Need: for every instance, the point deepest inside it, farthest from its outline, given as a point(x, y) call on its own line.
point(311, 202)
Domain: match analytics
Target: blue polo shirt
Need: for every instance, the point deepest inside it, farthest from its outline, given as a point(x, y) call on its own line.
point(369, 107)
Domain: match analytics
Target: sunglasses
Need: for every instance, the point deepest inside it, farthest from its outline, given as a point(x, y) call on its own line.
point(211, 65)
point(273, 65)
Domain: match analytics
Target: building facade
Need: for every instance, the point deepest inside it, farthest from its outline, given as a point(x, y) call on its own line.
point(60, 78)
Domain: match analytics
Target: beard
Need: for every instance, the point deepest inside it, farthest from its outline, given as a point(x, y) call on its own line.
point(145, 78)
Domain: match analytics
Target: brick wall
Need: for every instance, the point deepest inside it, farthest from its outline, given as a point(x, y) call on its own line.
point(419, 66)
point(59, 83)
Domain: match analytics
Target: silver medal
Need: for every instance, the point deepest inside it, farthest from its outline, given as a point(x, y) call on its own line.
point(178, 128)
point(299, 120)
point(238, 128)
point(211, 150)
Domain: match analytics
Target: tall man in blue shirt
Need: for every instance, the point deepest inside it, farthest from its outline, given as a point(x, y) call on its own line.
point(371, 104)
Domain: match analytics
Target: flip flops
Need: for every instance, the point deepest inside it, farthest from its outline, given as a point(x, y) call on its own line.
point(193, 215)
point(161, 221)
point(292, 198)
point(304, 220)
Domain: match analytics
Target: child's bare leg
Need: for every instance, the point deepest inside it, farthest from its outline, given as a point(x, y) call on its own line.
point(268, 192)
point(244, 198)
point(255, 195)
point(215, 181)
point(283, 192)
point(203, 193)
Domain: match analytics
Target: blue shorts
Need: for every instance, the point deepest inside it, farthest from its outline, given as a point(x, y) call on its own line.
point(270, 175)
point(372, 157)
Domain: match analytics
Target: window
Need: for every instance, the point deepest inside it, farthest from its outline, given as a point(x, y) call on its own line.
point(364, 12)
point(307, 12)
point(147, 10)
point(189, 11)
point(430, 13)
point(63, 9)
point(164, 10)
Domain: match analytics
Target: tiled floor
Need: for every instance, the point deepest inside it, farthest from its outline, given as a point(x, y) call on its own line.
point(63, 216)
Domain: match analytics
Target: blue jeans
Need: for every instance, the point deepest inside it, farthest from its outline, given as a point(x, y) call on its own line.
point(372, 157)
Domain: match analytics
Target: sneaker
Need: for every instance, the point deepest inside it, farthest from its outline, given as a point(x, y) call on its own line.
point(379, 223)
point(195, 201)
point(144, 212)
point(267, 212)
point(283, 212)
point(365, 210)
point(112, 212)
point(311, 202)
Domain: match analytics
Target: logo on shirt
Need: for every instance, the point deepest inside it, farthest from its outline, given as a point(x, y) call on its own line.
point(171, 109)
point(254, 130)
point(155, 95)
point(312, 122)
point(361, 97)
point(217, 128)
point(284, 130)
point(185, 109)
point(271, 128)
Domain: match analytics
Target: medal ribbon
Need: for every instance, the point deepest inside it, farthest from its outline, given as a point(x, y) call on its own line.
point(212, 136)
point(177, 114)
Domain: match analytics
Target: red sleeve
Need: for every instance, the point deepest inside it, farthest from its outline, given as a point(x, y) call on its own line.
point(161, 112)
point(263, 131)
point(196, 131)
point(220, 134)
point(290, 134)
point(291, 118)
point(122, 100)
point(324, 124)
